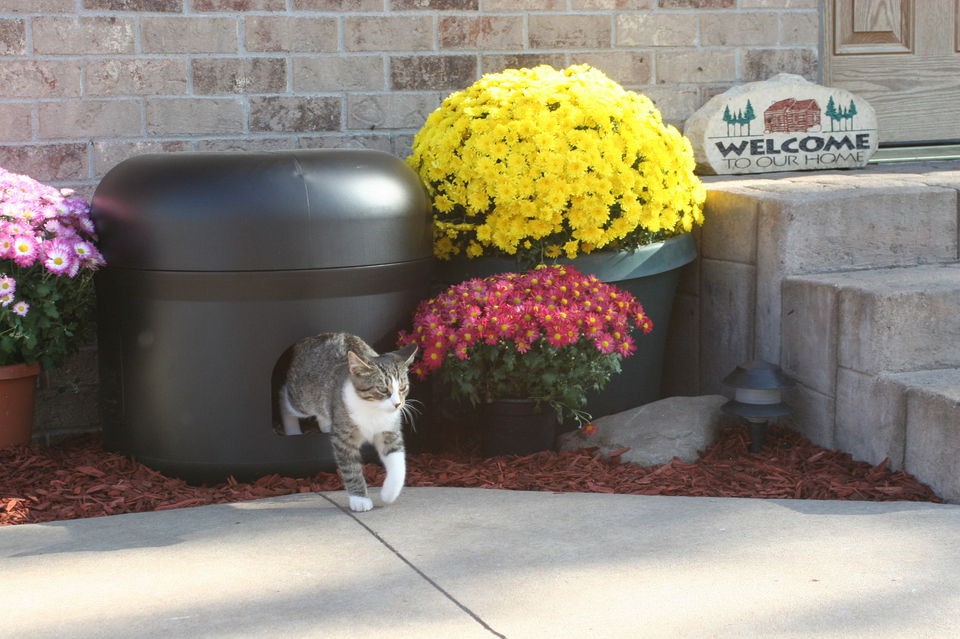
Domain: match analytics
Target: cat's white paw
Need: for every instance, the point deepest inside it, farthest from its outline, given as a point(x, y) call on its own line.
point(390, 491)
point(360, 504)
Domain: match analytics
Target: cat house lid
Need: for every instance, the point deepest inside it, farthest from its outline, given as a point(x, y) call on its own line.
point(267, 211)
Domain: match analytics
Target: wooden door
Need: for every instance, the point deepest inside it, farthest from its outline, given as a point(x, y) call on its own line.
point(903, 56)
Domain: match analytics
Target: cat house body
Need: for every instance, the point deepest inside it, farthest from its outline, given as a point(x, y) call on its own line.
point(357, 396)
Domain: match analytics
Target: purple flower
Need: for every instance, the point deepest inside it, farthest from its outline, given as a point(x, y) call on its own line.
point(60, 258)
point(24, 250)
point(47, 258)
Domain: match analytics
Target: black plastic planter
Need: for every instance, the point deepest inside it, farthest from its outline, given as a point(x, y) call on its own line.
point(217, 263)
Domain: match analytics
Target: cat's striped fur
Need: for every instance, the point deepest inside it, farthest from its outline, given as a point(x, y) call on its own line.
point(357, 396)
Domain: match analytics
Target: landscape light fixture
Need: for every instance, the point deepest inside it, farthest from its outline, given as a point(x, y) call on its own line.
point(758, 387)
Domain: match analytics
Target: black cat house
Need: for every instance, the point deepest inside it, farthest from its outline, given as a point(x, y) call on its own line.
point(216, 265)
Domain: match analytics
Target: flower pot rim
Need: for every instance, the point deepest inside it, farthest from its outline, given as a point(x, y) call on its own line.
point(16, 371)
point(608, 265)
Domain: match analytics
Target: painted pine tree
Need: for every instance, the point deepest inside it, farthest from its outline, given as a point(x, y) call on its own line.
point(831, 112)
point(749, 115)
point(851, 111)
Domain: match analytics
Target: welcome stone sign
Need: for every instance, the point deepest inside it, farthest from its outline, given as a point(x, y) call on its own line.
point(786, 123)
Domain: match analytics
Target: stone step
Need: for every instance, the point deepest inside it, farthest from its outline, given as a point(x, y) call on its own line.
point(932, 450)
point(760, 231)
point(912, 419)
point(848, 280)
point(873, 321)
point(876, 355)
point(826, 222)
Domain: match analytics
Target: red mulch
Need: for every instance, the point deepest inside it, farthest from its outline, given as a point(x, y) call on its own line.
point(79, 479)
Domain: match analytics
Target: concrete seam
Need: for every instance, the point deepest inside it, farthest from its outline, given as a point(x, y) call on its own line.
point(422, 574)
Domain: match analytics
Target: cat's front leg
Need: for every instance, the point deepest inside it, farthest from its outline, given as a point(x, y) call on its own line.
point(350, 464)
point(390, 447)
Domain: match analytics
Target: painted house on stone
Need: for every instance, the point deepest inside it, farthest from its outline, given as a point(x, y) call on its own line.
point(791, 115)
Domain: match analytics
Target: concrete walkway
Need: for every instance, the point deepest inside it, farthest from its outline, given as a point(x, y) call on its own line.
point(469, 563)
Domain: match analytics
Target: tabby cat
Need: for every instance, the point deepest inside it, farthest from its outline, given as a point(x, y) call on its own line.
point(357, 396)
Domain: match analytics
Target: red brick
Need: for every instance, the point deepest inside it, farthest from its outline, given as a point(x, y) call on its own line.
point(154, 6)
point(180, 35)
point(12, 37)
point(135, 76)
point(481, 32)
point(344, 6)
point(194, 116)
point(67, 36)
point(239, 75)
point(39, 6)
point(288, 113)
point(15, 122)
point(698, 4)
point(435, 5)
point(494, 63)
point(569, 31)
point(438, 73)
point(388, 33)
point(288, 33)
point(239, 5)
point(40, 78)
point(48, 162)
point(629, 68)
point(760, 64)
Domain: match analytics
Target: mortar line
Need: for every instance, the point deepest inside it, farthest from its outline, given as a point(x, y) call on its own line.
point(417, 570)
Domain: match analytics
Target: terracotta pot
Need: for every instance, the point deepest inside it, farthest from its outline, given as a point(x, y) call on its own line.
point(18, 385)
point(516, 427)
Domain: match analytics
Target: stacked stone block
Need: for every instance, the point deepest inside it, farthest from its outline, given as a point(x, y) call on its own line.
point(849, 281)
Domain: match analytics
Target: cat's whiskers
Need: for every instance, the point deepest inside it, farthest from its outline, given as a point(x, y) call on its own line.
point(409, 411)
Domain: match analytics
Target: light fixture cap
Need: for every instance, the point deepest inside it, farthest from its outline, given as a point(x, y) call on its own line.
point(758, 375)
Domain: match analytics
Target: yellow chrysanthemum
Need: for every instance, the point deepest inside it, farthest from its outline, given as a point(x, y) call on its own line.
point(549, 163)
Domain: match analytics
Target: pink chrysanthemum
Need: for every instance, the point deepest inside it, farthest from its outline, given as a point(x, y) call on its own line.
point(605, 343)
point(8, 285)
point(546, 333)
point(24, 250)
point(59, 257)
point(626, 346)
point(21, 308)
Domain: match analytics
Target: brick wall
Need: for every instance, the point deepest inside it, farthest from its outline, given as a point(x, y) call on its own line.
point(84, 88)
point(88, 83)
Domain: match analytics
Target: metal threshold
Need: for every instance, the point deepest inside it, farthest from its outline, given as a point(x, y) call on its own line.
point(887, 155)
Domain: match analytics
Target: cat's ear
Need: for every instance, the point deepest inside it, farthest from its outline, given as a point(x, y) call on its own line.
point(407, 353)
point(357, 363)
